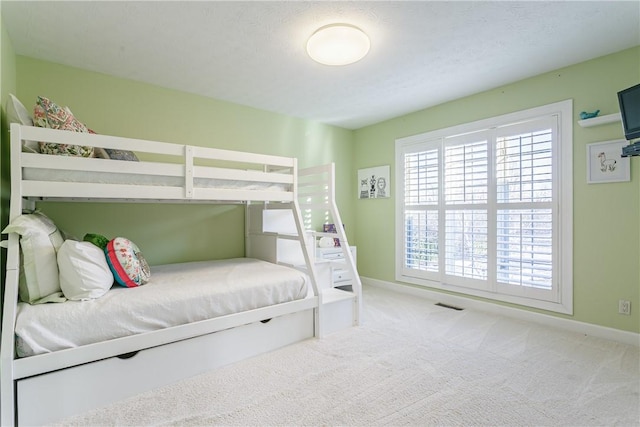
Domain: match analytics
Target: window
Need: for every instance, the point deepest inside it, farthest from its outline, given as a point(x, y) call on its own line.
point(485, 208)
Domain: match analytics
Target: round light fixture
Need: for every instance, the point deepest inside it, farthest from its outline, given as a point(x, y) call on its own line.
point(338, 44)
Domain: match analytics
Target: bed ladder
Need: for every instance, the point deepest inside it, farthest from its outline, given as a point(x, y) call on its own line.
point(273, 233)
point(316, 195)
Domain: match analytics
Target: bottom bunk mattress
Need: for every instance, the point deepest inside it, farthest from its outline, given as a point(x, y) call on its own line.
point(177, 294)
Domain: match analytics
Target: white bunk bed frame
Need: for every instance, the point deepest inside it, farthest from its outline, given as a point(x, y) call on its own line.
point(48, 387)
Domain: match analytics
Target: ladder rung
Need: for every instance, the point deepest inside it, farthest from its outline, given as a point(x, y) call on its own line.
point(314, 205)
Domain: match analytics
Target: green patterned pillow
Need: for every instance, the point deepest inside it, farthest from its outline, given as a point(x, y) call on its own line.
point(97, 239)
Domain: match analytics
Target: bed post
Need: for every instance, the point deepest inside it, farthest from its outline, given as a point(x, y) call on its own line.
point(7, 389)
point(344, 243)
point(9, 306)
point(297, 215)
point(311, 269)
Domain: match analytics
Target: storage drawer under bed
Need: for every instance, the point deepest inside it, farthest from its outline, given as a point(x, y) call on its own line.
point(56, 395)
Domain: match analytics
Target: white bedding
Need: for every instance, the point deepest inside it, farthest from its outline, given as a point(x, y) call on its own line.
point(37, 174)
point(177, 294)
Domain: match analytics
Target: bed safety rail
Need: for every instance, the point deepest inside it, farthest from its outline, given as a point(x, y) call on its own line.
point(168, 172)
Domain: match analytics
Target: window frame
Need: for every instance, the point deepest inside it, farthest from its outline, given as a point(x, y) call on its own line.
point(560, 300)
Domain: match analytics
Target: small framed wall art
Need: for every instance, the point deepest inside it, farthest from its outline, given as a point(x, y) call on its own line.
point(374, 183)
point(606, 164)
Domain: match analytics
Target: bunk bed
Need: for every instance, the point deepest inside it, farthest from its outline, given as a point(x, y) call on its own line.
point(51, 382)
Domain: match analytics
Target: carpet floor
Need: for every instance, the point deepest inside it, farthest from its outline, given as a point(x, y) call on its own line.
point(410, 363)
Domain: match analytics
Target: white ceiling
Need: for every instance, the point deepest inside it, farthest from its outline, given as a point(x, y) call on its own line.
point(252, 53)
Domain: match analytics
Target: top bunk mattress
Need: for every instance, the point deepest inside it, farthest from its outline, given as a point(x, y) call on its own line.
point(177, 294)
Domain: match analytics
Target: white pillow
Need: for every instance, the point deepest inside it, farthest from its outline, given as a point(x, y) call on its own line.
point(40, 240)
point(17, 113)
point(84, 272)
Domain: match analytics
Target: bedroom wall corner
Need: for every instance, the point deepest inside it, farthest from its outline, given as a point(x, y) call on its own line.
point(7, 86)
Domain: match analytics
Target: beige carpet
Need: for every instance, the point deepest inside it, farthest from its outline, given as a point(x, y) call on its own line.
point(411, 363)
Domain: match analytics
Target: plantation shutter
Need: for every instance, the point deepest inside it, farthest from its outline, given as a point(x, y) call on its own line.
point(421, 198)
point(525, 217)
point(466, 193)
point(480, 210)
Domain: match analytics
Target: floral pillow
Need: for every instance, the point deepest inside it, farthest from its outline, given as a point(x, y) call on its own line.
point(48, 114)
point(126, 262)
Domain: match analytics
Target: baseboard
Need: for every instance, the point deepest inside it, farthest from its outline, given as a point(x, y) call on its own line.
point(604, 332)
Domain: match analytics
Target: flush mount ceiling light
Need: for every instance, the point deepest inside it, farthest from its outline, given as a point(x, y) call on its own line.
point(338, 44)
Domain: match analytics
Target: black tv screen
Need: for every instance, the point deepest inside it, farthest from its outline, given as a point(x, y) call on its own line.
point(629, 100)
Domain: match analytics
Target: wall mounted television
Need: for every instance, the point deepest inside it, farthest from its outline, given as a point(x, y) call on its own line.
point(629, 100)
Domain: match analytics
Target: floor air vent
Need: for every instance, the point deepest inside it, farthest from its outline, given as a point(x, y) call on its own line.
point(449, 306)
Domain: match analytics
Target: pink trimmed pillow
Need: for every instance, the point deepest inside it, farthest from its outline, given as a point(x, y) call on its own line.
point(127, 264)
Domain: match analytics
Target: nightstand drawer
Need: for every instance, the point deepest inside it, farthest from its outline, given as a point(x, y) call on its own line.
point(337, 271)
point(330, 253)
point(340, 276)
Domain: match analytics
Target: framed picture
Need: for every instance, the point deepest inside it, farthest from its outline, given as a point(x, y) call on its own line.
point(374, 183)
point(606, 164)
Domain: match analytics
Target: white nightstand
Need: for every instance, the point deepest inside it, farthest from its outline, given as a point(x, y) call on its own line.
point(334, 281)
point(339, 275)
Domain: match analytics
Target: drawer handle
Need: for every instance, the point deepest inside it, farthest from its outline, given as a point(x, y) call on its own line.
point(265, 320)
point(127, 355)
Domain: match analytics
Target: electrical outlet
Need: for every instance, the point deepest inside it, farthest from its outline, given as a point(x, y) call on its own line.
point(624, 307)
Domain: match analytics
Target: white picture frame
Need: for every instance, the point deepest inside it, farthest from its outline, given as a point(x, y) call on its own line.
point(374, 183)
point(605, 163)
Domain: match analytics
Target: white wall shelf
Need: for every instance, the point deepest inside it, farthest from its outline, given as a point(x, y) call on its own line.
point(601, 120)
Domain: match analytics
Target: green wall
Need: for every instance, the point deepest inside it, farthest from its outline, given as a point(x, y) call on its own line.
point(7, 86)
point(606, 216)
point(175, 233)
